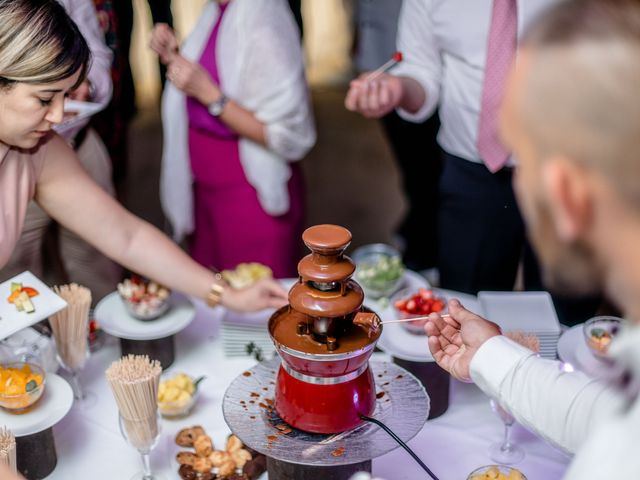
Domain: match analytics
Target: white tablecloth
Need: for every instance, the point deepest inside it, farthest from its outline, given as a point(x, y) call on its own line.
point(89, 444)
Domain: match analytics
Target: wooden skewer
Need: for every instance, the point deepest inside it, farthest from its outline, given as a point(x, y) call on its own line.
point(402, 320)
point(385, 67)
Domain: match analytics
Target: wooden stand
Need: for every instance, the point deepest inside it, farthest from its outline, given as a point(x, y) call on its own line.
point(36, 455)
point(435, 380)
point(281, 470)
point(161, 349)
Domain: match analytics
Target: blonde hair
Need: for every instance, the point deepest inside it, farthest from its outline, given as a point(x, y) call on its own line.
point(39, 43)
point(582, 89)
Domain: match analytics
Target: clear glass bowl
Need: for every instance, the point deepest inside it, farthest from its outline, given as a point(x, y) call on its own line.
point(599, 332)
point(379, 269)
point(21, 402)
point(144, 299)
point(145, 311)
point(497, 472)
point(179, 407)
point(416, 327)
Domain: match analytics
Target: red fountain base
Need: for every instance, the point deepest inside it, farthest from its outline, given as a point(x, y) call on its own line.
point(324, 404)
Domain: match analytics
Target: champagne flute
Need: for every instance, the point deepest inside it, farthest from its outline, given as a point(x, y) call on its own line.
point(143, 435)
point(504, 452)
point(74, 364)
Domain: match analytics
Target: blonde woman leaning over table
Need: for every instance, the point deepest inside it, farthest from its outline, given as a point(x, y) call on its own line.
point(229, 172)
point(43, 56)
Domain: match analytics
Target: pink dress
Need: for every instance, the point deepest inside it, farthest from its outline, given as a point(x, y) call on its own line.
point(230, 224)
point(19, 172)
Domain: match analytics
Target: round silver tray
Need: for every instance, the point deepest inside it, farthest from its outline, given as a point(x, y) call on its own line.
point(402, 404)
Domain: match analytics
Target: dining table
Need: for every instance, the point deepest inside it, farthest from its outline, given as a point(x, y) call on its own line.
point(90, 445)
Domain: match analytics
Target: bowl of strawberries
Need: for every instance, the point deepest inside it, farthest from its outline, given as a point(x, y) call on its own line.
point(408, 303)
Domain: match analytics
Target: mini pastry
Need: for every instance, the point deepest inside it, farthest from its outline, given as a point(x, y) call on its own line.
point(203, 446)
point(219, 457)
point(186, 458)
point(227, 468)
point(202, 465)
point(240, 457)
point(233, 443)
point(187, 436)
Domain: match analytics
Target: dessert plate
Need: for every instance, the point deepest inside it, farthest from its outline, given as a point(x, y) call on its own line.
point(402, 404)
point(114, 319)
point(55, 403)
point(573, 349)
point(46, 303)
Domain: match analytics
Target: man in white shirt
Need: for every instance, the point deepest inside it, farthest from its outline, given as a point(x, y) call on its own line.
point(414, 145)
point(450, 61)
point(572, 117)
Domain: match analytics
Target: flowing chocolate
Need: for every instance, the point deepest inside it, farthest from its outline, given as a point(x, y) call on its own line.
point(325, 301)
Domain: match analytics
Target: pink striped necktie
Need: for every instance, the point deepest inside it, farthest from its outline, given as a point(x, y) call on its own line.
point(501, 50)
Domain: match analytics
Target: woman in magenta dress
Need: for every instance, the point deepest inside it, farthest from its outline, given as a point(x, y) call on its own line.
point(247, 195)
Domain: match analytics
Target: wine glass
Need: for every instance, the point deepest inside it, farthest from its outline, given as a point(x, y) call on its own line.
point(73, 360)
point(143, 435)
point(504, 452)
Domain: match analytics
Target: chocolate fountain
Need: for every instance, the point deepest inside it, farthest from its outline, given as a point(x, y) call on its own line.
point(303, 410)
point(324, 383)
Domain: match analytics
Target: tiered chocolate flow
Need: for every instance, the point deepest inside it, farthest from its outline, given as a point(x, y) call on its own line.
point(324, 383)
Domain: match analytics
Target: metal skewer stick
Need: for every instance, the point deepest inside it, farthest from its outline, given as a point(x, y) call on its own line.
point(413, 319)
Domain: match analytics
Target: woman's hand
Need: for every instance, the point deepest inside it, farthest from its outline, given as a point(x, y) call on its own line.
point(454, 340)
point(374, 98)
point(164, 42)
point(265, 293)
point(193, 80)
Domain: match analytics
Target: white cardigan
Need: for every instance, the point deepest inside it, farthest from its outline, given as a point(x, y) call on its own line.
point(261, 68)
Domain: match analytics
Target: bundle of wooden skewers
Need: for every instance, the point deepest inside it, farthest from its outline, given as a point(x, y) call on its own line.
point(70, 325)
point(134, 382)
point(8, 449)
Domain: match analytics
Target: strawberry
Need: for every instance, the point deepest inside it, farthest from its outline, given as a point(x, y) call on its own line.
point(422, 303)
point(411, 306)
point(426, 294)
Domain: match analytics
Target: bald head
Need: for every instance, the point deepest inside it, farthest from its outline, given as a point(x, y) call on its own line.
point(579, 94)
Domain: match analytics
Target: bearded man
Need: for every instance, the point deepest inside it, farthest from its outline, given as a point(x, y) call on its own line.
point(571, 115)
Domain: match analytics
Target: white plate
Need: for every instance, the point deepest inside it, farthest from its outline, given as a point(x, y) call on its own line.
point(400, 343)
point(54, 404)
point(531, 312)
point(573, 349)
point(46, 304)
point(240, 329)
point(75, 113)
point(114, 319)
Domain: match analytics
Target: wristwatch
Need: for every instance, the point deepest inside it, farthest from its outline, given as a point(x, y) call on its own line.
point(216, 108)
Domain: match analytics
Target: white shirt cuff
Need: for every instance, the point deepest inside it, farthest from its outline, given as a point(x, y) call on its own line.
point(494, 360)
point(431, 92)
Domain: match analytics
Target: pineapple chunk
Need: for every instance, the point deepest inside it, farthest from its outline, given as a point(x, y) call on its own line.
point(24, 302)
